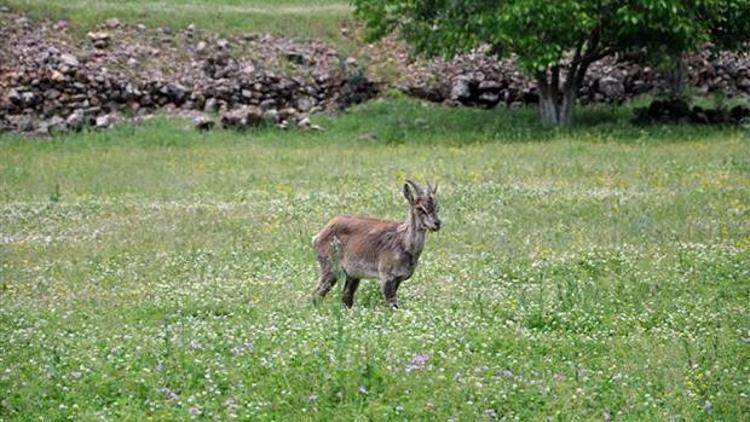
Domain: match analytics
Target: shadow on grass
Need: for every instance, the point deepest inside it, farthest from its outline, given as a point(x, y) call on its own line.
point(405, 121)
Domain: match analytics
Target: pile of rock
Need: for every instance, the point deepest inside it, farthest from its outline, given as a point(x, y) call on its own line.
point(678, 110)
point(477, 79)
point(50, 82)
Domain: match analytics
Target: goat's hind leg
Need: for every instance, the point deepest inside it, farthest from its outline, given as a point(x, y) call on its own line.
point(327, 277)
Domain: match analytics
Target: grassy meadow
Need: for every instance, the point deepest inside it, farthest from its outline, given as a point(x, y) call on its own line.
point(321, 19)
point(588, 273)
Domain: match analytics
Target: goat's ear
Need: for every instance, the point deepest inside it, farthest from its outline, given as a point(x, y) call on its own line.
point(408, 194)
point(432, 189)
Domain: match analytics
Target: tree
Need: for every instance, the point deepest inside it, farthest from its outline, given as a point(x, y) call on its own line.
point(555, 42)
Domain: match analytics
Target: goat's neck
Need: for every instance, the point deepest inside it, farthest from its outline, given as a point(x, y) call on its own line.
point(413, 235)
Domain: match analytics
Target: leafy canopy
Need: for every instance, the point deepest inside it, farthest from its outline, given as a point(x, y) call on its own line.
point(540, 32)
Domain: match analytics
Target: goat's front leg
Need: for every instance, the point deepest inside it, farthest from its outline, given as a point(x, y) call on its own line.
point(390, 286)
point(349, 289)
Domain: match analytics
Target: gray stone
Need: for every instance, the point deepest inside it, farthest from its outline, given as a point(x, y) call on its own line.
point(460, 89)
point(203, 123)
point(76, 120)
point(54, 124)
point(222, 44)
point(211, 105)
point(242, 118)
point(305, 124)
point(612, 88)
point(492, 86)
point(99, 39)
point(271, 115)
point(305, 104)
point(489, 98)
point(69, 60)
point(105, 121)
point(22, 123)
point(112, 23)
point(286, 114)
point(14, 97)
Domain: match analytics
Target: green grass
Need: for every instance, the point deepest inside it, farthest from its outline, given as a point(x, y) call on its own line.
point(320, 19)
point(157, 271)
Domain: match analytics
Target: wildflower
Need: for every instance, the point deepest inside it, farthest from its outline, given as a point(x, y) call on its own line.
point(194, 412)
point(417, 362)
point(362, 390)
point(505, 373)
point(491, 413)
point(312, 398)
point(171, 395)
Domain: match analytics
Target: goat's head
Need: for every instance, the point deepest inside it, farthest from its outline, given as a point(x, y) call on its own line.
point(424, 205)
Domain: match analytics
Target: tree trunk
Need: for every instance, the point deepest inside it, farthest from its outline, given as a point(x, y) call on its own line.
point(557, 98)
point(556, 108)
point(676, 78)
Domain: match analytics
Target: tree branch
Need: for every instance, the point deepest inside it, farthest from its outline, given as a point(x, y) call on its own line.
point(541, 80)
point(573, 66)
point(555, 84)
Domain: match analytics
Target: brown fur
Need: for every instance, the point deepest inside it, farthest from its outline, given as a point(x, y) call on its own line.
point(368, 247)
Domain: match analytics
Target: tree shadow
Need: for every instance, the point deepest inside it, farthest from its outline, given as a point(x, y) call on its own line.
point(401, 120)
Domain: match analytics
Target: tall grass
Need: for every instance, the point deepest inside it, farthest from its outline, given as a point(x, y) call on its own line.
point(159, 272)
point(319, 19)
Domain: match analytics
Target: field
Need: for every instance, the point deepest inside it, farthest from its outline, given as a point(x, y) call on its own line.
point(158, 272)
point(297, 18)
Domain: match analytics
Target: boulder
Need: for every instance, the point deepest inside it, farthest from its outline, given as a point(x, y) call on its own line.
point(99, 39)
point(242, 118)
point(612, 88)
point(52, 125)
point(305, 103)
point(76, 120)
point(203, 123)
point(69, 60)
point(211, 105)
point(112, 23)
point(460, 89)
point(106, 121)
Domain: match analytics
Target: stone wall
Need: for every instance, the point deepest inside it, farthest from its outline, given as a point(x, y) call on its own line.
point(50, 81)
point(479, 80)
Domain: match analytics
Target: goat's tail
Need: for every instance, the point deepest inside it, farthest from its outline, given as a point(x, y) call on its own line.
point(327, 244)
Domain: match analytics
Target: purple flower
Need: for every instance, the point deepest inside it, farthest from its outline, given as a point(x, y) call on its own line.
point(171, 395)
point(195, 345)
point(417, 362)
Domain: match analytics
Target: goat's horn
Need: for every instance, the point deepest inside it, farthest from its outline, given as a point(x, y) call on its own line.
point(415, 186)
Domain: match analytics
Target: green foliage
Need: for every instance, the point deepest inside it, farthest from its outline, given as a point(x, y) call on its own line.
point(542, 32)
point(601, 268)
